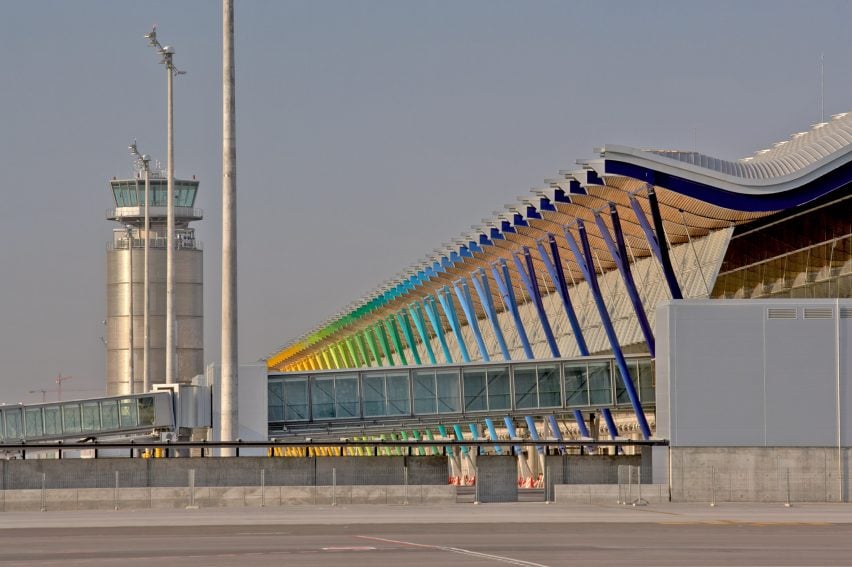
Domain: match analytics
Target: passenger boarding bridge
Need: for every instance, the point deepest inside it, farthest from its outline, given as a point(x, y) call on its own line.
point(350, 400)
point(152, 414)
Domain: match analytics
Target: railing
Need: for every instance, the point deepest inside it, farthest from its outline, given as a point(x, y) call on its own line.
point(153, 211)
point(156, 243)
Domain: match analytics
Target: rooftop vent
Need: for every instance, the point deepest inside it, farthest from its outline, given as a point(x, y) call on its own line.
point(781, 313)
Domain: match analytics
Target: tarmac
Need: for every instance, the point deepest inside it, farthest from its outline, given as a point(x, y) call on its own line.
point(526, 534)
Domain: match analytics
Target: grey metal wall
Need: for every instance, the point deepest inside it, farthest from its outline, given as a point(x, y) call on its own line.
point(189, 310)
point(754, 373)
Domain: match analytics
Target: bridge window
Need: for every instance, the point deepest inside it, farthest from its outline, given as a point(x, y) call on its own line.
point(398, 402)
point(91, 416)
point(600, 383)
point(147, 414)
point(448, 391)
point(322, 398)
point(109, 414)
point(375, 399)
point(14, 427)
point(549, 392)
point(576, 384)
point(52, 420)
point(33, 422)
point(127, 412)
point(425, 392)
point(475, 391)
point(346, 396)
point(275, 400)
point(2, 436)
point(498, 388)
point(526, 394)
point(296, 399)
point(642, 374)
point(71, 418)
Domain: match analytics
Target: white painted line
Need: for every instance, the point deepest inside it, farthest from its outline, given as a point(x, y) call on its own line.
point(500, 558)
point(350, 548)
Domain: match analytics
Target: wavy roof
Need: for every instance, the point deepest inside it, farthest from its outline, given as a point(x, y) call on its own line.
point(698, 194)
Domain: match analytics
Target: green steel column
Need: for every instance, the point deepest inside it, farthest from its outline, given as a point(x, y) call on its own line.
point(383, 340)
point(352, 354)
point(394, 334)
point(328, 364)
point(402, 319)
point(371, 340)
point(337, 363)
point(341, 355)
point(359, 340)
point(420, 449)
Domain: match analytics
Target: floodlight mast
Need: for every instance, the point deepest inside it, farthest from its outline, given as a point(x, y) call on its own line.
point(143, 161)
point(167, 54)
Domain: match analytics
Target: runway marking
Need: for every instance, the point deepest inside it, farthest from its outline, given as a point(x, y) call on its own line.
point(460, 551)
point(350, 548)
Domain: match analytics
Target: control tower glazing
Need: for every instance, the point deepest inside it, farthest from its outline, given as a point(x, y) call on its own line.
point(126, 264)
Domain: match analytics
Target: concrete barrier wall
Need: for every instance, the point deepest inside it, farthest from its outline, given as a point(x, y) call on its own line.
point(760, 474)
point(217, 497)
point(220, 472)
point(610, 494)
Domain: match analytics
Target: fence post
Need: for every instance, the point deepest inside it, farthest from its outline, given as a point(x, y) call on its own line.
point(547, 485)
point(788, 504)
point(192, 505)
point(115, 493)
point(405, 485)
point(262, 488)
point(43, 493)
point(334, 486)
point(713, 486)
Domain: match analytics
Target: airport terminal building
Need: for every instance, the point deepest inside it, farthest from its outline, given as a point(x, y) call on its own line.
point(721, 288)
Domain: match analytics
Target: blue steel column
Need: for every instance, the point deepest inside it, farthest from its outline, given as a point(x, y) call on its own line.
point(508, 293)
point(584, 259)
point(531, 283)
point(397, 344)
point(450, 311)
point(492, 432)
point(557, 276)
point(557, 433)
point(483, 290)
point(533, 433)
point(432, 312)
point(581, 424)
point(402, 319)
point(658, 245)
point(417, 315)
point(513, 433)
point(610, 423)
point(619, 254)
point(463, 294)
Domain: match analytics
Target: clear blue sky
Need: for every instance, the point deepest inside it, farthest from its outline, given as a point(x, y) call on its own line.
point(368, 134)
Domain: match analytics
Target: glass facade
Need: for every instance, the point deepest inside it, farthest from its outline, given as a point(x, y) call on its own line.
point(131, 192)
point(519, 386)
point(79, 418)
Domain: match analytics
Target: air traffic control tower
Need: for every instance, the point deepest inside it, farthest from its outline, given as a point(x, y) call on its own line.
point(126, 264)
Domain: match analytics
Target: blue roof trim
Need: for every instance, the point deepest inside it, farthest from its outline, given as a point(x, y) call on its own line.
point(831, 181)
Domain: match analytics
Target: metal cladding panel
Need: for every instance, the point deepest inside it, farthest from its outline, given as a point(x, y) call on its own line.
point(189, 309)
point(754, 373)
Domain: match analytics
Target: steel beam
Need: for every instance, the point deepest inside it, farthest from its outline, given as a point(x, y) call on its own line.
point(483, 290)
point(463, 294)
point(557, 276)
point(531, 283)
point(504, 283)
point(435, 321)
point(450, 311)
point(417, 315)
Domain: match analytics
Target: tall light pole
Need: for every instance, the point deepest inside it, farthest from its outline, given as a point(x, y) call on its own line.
point(230, 416)
point(168, 56)
point(130, 365)
point(143, 160)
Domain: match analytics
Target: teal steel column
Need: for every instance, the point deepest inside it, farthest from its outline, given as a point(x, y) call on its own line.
point(450, 311)
point(483, 290)
point(432, 312)
point(402, 319)
point(492, 432)
point(417, 315)
point(463, 294)
point(397, 344)
point(383, 340)
point(371, 341)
